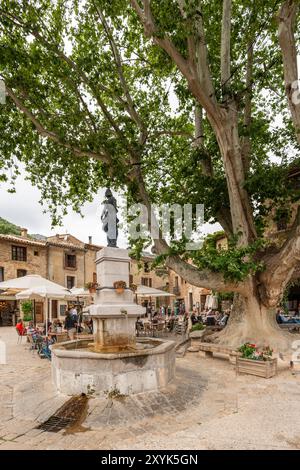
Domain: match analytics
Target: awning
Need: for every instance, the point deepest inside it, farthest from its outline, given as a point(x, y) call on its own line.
point(80, 292)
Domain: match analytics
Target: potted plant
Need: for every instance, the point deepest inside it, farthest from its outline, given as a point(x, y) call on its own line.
point(91, 286)
point(256, 362)
point(119, 286)
point(133, 287)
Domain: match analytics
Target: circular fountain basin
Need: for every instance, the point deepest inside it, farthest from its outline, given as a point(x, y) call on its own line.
point(76, 368)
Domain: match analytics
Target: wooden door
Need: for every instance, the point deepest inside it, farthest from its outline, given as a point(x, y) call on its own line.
point(39, 312)
point(54, 309)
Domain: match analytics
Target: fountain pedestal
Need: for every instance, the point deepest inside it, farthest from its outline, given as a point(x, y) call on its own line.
point(117, 360)
point(114, 314)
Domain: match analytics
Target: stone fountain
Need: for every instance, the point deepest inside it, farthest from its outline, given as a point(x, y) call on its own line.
point(116, 361)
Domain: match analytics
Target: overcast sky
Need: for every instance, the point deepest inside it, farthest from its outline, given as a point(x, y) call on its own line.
point(22, 208)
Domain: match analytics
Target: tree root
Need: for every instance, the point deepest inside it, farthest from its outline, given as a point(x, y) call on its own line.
point(235, 335)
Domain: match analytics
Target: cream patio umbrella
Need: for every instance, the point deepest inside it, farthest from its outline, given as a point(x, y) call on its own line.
point(80, 292)
point(50, 291)
point(145, 291)
point(211, 302)
point(35, 287)
point(27, 282)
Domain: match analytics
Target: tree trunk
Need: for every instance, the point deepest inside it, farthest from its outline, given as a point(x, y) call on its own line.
point(251, 321)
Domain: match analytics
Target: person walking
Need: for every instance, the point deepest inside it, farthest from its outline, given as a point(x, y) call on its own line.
point(70, 325)
point(74, 313)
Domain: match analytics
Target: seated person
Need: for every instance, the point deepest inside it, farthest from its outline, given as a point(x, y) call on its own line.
point(51, 339)
point(139, 325)
point(49, 324)
point(56, 326)
point(171, 321)
point(31, 329)
point(218, 316)
point(21, 328)
point(155, 318)
point(91, 327)
point(281, 319)
point(194, 318)
point(224, 319)
point(210, 318)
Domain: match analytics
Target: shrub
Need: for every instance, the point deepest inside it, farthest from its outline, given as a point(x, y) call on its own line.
point(250, 351)
point(27, 309)
point(198, 327)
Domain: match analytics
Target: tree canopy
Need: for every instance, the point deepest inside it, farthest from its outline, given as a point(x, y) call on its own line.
point(173, 101)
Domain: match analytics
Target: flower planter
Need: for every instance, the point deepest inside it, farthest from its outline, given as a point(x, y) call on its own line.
point(264, 369)
point(119, 290)
point(92, 290)
point(119, 286)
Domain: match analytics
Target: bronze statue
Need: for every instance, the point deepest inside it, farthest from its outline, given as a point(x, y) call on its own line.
point(109, 219)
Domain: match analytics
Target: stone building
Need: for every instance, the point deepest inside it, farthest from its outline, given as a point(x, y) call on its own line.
point(142, 273)
point(62, 259)
point(187, 296)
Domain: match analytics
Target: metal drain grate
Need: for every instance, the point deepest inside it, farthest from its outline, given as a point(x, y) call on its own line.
point(70, 415)
point(56, 424)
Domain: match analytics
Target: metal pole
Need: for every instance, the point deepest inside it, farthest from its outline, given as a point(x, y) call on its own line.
point(46, 316)
point(34, 313)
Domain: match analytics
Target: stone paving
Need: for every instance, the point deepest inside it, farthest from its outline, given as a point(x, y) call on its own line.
point(207, 407)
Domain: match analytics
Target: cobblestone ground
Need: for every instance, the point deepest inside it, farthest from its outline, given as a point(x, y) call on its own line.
point(207, 407)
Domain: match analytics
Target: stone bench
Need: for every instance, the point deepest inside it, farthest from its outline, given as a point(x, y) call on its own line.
point(290, 326)
point(210, 348)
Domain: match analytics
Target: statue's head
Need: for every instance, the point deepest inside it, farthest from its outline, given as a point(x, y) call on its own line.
point(108, 193)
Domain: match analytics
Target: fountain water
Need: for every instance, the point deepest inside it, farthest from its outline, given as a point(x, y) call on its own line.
point(116, 359)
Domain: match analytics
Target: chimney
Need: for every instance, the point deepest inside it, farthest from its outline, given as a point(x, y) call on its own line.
point(24, 232)
point(90, 240)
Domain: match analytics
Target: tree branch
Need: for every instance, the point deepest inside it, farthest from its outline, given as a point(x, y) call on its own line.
point(286, 35)
point(183, 64)
point(198, 143)
point(202, 66)
point(204, 278)
point(190, 273)
point(223, 215)
point(223, 119)
point(52, 135)
point(54, 48)
point(117, 57)
point(80, 73)
point(246, 142)
point(225, 46)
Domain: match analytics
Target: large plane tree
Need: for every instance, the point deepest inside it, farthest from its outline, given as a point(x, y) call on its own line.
point(90, 86)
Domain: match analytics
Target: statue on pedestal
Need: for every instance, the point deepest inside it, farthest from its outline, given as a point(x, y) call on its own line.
point(109, 218)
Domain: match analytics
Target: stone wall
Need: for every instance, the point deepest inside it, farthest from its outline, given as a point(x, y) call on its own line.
point(58, 272)
point(184, 292)
point(35, 264)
